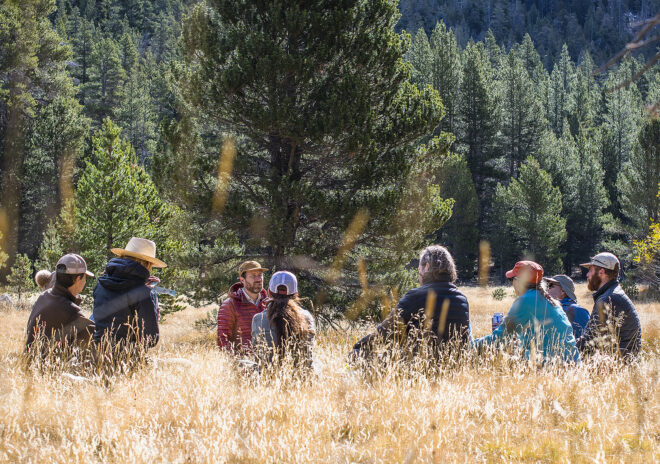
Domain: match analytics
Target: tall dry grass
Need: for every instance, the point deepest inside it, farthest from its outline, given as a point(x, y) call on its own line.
point(206, 410)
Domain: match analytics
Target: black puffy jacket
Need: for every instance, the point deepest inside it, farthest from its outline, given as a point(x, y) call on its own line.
point(124, 305)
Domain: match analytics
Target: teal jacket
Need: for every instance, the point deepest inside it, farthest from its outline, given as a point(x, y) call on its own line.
point(536, 323)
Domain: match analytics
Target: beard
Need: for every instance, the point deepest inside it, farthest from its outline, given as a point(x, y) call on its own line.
point(255, 287)
point(593, 283)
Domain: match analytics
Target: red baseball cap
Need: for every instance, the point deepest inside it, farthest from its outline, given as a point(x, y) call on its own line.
point(534, 269)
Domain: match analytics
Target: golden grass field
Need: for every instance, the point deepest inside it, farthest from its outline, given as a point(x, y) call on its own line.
point(205, 411)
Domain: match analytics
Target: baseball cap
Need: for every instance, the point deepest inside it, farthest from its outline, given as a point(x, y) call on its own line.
point(566, 284)
point(604, 260)
point(535, 270)
point(286, 279)
point(250, 266)
point(73, 264)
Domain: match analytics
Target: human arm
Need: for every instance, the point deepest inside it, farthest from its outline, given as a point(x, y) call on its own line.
point(226, 325)
point(514, 318)
point(148, 319)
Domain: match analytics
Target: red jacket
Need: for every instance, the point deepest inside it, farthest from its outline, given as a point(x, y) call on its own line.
point(235, 319)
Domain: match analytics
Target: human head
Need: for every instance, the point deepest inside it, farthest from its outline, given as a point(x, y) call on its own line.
point(142, 251)
point(561, 286)
point(71, 273)
point(602, 268)
point(44, 279)
point(436, 264)
point(525, 275)
point(283, 283)
point(251, 275)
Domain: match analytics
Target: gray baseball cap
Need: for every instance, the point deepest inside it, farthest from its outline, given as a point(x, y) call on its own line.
point(73, 264)
point(566, 284)
point(286, 279)
point(604, 260)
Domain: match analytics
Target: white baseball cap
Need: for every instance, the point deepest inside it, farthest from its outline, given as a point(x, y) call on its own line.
point(285, 279)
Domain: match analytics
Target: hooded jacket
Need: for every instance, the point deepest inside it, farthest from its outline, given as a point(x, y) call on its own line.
point(57, 312)
point(120, 295)
point(629, 328)
point(235, 318)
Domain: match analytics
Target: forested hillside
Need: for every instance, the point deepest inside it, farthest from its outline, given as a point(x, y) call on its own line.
point(601, 27)
point(115, 122)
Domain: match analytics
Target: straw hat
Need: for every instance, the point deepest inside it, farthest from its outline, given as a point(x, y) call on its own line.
point(140, 248)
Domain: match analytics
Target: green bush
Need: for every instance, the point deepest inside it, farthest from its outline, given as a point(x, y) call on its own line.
point(498, 294)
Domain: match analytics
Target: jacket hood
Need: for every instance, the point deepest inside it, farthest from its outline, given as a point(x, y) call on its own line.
point(122, 274)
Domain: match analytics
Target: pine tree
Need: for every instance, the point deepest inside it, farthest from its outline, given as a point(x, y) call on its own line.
point(54, 142)
point(587, 96)
point(561, 101)
point(32, 72)
point(478, 119)
point(421, 59)
point(531, 221)
point(446, 73)
point(638, 183)
point(115, 200)
point(520, 111)
point(82, 39)
point(51, 248)
point(106, 80)
point(620, 127)
point(460, 233)
point(20, 276)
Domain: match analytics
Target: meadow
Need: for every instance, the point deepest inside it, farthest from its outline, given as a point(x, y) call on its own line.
point(191, 404)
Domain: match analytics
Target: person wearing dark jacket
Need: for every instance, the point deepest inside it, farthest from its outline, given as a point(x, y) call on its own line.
point(125, 306)
point(437, 307)
point(561, 287)
point(614, 325)
point(56, 314)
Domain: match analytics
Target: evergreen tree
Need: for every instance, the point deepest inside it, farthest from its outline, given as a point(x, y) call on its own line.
point(477, 119)
point(106, 80)
point(55, 139)
point(3, 255)
point(421, 59)
point(446, 73)
point(520, 111)
point(530, 217)
point(460, 233)
point(82, 39)
point(638, 183)
point(586, 96)
point(620, 126)
point(20, 276)
point(325, 143)
point(32, 73)
point(561, 103)
point(51, 248)
point(115, 200)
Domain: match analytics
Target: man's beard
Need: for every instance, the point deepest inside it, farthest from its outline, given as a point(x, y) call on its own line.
point(254, 288)
point(593, 283)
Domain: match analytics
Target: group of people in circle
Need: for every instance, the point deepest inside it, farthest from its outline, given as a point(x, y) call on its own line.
point(544, 323)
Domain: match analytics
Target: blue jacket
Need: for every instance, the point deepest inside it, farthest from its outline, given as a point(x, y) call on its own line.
point(577, 316)
point(629, 329)
point(536, 323)
point(121, 294)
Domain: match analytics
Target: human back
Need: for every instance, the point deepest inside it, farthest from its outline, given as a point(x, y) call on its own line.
point(284, 328)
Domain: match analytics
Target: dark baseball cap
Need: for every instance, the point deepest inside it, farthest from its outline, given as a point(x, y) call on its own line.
point(73, 264)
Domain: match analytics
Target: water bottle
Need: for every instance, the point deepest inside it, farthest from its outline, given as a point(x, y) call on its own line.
point(497, 320)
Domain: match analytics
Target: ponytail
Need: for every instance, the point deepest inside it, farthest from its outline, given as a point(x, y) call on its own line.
point(284, 316)
point(541, 288)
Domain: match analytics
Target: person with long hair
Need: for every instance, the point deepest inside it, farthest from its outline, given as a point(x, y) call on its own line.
point(535, 318)
point(284, 327)
point(449, 325)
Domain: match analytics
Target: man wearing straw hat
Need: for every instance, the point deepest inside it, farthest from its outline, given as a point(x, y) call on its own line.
point(125, 307)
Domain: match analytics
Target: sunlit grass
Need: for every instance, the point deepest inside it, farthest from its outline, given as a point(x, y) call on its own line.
point(205, 410)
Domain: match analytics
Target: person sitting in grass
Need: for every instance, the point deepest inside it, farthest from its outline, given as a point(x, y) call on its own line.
point(125, 306)
point(535, 318)
point(437, 298)
point(56, 315)
point(284, 327)
point(614, 326)
point(562, 288)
